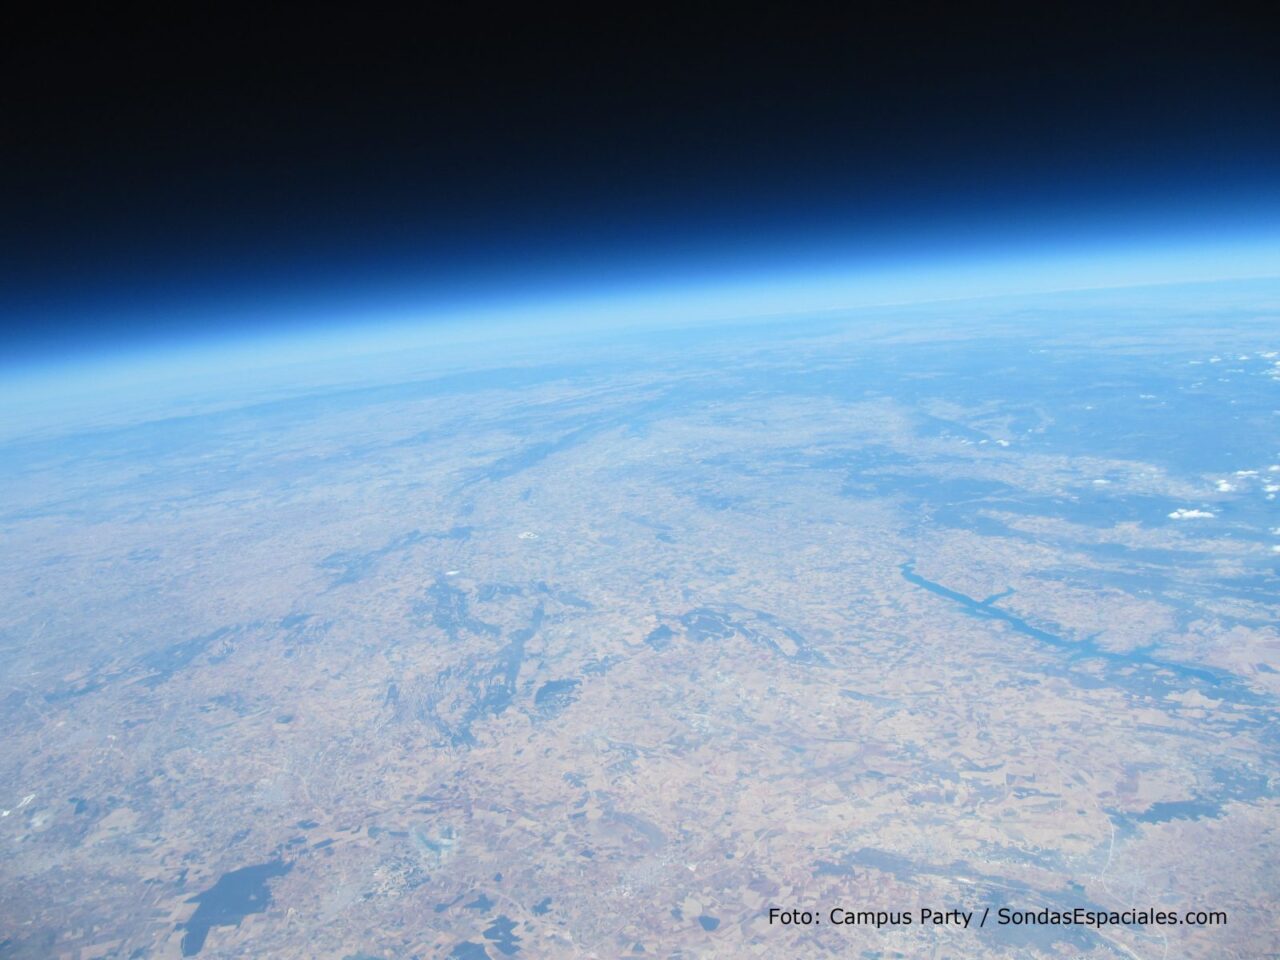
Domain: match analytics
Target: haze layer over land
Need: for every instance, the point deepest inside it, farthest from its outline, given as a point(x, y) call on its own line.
point(602, 646)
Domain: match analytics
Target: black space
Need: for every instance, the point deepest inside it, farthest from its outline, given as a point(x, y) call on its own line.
point(159, 161)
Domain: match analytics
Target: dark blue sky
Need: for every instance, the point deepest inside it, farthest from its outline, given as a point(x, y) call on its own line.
point(196, 175)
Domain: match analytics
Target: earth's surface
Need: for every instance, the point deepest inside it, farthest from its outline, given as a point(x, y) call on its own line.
point(605, 650)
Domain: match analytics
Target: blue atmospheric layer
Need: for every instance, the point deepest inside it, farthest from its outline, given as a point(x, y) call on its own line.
point(673, 274)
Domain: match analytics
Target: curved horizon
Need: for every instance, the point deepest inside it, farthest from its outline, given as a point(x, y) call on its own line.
point(404, 314)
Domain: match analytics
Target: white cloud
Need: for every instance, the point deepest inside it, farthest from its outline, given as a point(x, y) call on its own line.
point(1186, 513)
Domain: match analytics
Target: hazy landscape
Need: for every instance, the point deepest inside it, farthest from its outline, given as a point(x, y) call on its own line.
point(607, 650)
